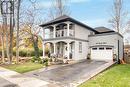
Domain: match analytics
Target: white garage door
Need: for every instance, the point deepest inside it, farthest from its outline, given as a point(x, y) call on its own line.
point(101, 53)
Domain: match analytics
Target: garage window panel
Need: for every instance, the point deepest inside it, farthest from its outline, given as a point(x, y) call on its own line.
point(108, 48)
point(101, 48)
point(94, 48)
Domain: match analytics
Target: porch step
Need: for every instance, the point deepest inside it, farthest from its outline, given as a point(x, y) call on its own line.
point(57, 62)
point(71, 61)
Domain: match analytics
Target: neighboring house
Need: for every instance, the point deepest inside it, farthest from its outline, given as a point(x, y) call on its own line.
point(127, 53)
point(127, 49)
point(74, 40)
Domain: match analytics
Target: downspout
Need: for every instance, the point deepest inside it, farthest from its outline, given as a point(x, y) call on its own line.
point(123, 53)
point(118, 53)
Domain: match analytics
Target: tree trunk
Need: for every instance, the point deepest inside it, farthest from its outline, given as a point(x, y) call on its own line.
point(11, 38)
point(3, 51)
point(7, 38)
point(35, 45)
point(7, 46)
point(17, 39)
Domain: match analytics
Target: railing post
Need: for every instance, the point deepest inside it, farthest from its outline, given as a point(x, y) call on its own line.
point(43, 33)
point(54, 31)
point(68, 28)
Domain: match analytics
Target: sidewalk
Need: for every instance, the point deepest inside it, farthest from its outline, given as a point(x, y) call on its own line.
point(21, 80)
point(5, 83)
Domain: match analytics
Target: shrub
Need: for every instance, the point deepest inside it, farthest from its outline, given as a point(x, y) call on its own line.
point(25, 52)
point(40, 52)
point(1, 53)
point(45, 61)
point(89, 56)
point(34, 59)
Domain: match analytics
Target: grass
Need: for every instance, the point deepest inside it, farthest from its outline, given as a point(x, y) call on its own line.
point(117, 76)
point(25, 67)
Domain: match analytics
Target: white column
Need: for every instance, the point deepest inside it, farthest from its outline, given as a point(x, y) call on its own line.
point(43, 33)
point(43, 46)
point(60, 47)
point(54, 48)
point(43, 50)
point(68, 28)
point(54, 31)
point(68, 50)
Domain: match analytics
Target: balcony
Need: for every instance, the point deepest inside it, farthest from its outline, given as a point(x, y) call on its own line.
point(59, 33)
point(64, 29)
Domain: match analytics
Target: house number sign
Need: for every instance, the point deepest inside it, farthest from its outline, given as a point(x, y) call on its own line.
point(101, 43)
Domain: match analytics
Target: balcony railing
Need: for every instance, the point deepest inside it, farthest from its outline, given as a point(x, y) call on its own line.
point(59, 33)
point(63, 33)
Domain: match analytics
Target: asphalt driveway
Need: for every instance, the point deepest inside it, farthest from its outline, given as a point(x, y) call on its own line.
point(67, 75)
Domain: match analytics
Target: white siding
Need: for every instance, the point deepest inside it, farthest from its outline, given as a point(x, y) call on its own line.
point(120, 47)
point(81, 32)
point(84, 52)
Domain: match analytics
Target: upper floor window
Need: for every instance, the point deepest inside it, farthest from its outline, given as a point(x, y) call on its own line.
point(91, 33)
point(80, 47)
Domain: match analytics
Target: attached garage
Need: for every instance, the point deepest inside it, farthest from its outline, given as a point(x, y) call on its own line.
point(102, 53)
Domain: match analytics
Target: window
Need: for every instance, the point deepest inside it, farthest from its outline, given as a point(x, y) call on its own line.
point(80, 47)
point(108, 48)
point(94, 48)
point(91, 33)
point(101, 48)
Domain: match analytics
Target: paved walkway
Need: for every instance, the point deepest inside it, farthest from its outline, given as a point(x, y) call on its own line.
point(11, 77)
point(6, 83)
point(71, 75)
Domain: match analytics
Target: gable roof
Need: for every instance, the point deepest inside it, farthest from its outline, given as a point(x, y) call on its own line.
point(103, 30)
point(67, 18)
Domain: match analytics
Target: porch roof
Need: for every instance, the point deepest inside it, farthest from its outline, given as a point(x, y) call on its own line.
point(67, 18)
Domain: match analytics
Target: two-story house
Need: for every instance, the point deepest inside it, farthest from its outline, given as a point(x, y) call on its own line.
point(71, 39)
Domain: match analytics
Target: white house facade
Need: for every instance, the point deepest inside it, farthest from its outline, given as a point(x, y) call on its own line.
point(73, 40)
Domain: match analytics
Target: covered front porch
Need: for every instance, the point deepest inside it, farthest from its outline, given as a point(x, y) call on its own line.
point(60, 50)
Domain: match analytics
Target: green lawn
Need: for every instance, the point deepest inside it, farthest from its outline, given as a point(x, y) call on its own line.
point(25, 67)
point(117, 76)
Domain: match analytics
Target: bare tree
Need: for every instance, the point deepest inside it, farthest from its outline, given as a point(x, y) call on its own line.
point(17, 38)
point(118, 16)
point(2, 31)
point(11, 33)
point(7, 33)
point(31, 25)
point(58, 8)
